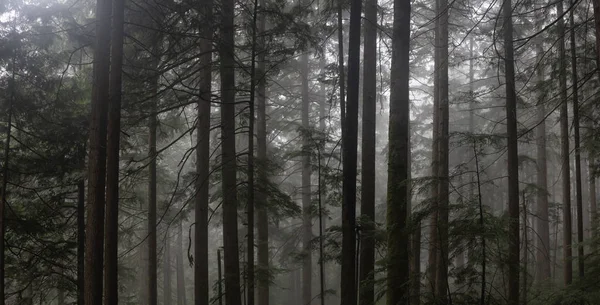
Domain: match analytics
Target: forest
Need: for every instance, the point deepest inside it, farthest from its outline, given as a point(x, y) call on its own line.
point(299, 152)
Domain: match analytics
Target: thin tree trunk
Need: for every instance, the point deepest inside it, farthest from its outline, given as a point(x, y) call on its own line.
point(250, 204)
point(321, 257)
point(578, 187)
point(152, 155)
point(228, 157)
point(201, 274)
point(3, 191)
point(306, 187)
point(80, 240)
point(543, 272)
point(367, 207)
point(564, 135)
point(443, 147)
point(398, 159)
point(350, 140)
point(433, 229)
point(513, 159)
point(181, 295)
point(219, 277)
point(341, 70)
point(167, 287)
point(94, 248)
point(111, 243)
point(262, 221)
point(593, 202)
point(415, 267)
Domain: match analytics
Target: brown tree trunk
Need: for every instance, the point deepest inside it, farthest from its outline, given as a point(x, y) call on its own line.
point(94, 248)
point(111, 243)
point(564, 135)
point(578, 187)
point(367, 207)
point(513, 159)
point(181, 295)
point(398, 159)
point(350, 140)
point(228, 157)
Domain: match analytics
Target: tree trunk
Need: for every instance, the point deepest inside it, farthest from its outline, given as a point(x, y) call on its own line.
point(593, 207)
point(543, 272)
point(513, 159)
point(306, 187)
point(367, 207)
point(350, 141)
point(94, 248)
point(111, 243)
point(341, 70)
point(167, 291)
point(152, 155)
point(415, 266)
point(578, 187)
point(181, 295)
point(80, 240)
point(228, 157)
point(201, 274)
point(262, 221)
point(3, 192)
point(398, 159)
point(433, 229)
point(564, 135)
point(367, 255)
point(443, 148)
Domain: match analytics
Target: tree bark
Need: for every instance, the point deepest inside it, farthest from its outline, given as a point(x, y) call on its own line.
point(341, 70)
point(228, 157)
point(433, 229)
point(350, 141)
point(367, 207)
point(80, 240)
point(152, 155)
point(201, 274)
point(543, 272)
point(111, 243)
point(3, 192)
point(94, 260)
point(262, 221)
point(564, 135)
point(167, 287)
point(181, 295)
point(443, 147)
point(578, 187)
point(513, 159)
point(398, 159)
point(306, 187)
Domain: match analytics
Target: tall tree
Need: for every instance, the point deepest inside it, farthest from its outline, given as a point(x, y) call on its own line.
point(228, 155)
point(80, 240)
point(398, 159)
point(578, 187)
point(167, 291)
point(443, 149)
point(564, 137)
point(341, 70)
point(94, 248)
point(513, 161)
point(152, 156)
point(367, 207)
point(543, 271)
point(111, 277)
point(201, 278)
point(3, 192)
point(262, 218)
point(350, 142)
point(181, 295)
point(306, 187)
